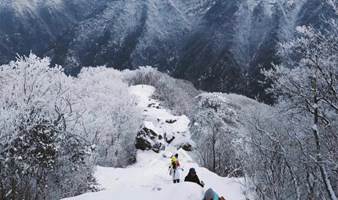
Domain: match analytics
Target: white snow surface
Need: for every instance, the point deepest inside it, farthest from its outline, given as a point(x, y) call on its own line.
point(149, 177)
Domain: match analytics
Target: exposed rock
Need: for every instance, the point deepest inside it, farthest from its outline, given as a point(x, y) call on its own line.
point(151, 105)
point(150, 133)
point(171, 121)
point(167, 139)
point(160, 137)
point(158, 147)
point(186, 147)
point(142, 143)
point(148, 139)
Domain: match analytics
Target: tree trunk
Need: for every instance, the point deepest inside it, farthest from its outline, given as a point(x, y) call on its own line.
point(315, 130)
point(214, 151)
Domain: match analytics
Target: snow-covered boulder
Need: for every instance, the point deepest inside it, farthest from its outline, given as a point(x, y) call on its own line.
point(142, 142)
point(148, 139)
point(186, 147)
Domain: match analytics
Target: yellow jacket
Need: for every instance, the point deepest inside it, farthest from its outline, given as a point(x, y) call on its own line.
point(173, 159)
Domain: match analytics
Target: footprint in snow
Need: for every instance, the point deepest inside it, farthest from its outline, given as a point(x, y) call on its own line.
point(157, 189)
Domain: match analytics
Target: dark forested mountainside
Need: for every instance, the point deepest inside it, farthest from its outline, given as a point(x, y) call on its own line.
point(218, 45)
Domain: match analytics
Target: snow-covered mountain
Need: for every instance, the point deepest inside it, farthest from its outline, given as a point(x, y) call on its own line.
point(213, 43)
point(36, 25)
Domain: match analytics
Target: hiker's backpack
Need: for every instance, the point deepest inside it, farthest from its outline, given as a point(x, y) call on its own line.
point(174, 162)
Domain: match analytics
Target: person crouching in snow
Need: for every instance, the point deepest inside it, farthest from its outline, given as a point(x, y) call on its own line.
point(192, 177)
point(212, 195)
point(174, 169)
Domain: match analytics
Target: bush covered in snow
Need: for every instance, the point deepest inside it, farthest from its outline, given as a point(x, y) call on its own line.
point(215, 127)
point(51, 123)
point(108, 115)
point(39, 155)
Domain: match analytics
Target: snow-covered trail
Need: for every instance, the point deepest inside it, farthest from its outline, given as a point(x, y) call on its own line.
point(149, 178)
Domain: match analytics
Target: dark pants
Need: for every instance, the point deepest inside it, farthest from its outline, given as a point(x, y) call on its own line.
point(176, 180)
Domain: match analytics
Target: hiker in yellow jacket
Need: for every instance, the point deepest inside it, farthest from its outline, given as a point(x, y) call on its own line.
point(174, 168)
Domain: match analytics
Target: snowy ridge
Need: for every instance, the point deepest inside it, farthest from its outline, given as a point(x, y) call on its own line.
point(22, 6)
point(149, 177)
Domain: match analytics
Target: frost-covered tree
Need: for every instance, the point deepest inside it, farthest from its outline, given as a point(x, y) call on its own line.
point(55, 128)
point(36, 147)
point(214, 129)
point(109, 116)
point(274, 166)
point(292, 148)
point(310, 87)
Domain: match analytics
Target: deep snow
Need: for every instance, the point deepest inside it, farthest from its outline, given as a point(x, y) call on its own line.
point(149, 178)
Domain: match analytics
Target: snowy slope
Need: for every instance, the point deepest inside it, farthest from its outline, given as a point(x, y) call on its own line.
point(24, 5)
point(149, 178)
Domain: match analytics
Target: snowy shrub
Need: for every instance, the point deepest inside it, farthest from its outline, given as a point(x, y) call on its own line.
point(178, 95)
point(215, 128)
point(55, 128)
point(110, 118)
point(35, 141)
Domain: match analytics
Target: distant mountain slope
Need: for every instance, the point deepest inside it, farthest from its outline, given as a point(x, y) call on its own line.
point(129, 33)
point(36, 25)
point(218, 45)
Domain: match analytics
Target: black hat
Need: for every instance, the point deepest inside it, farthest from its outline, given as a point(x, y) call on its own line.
point(192, 170)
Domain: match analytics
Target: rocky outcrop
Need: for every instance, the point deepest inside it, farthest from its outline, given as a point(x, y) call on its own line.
point(148, 139)
point(186, 147)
